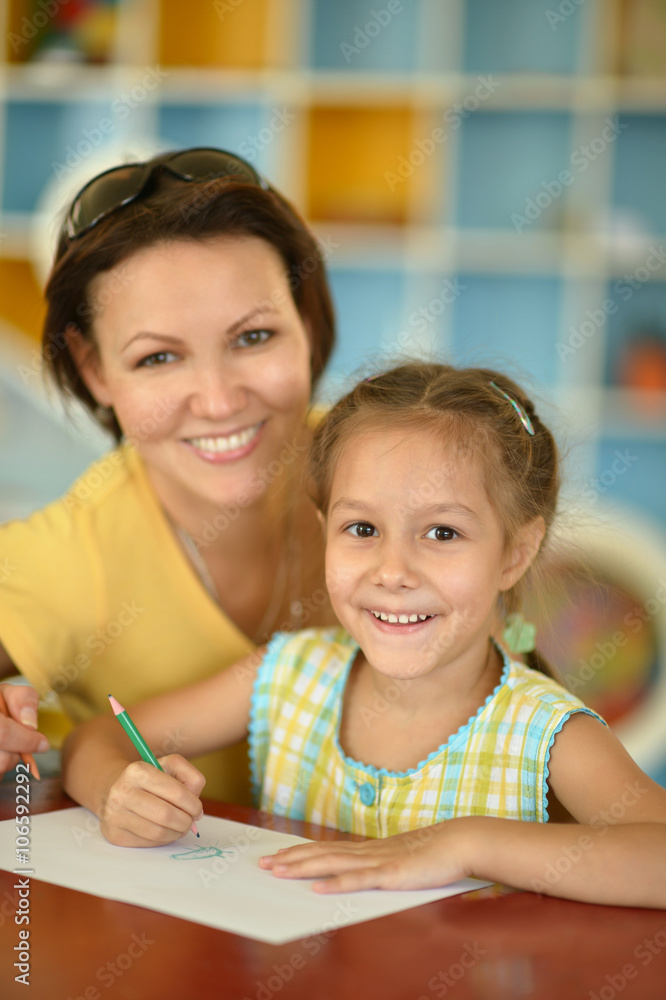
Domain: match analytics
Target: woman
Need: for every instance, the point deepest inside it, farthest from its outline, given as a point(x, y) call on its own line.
point(188, 310)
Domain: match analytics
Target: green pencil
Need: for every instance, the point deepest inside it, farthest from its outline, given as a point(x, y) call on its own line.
point(137, 739)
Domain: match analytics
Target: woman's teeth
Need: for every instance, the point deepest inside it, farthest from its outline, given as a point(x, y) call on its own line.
point(219, 445)
point(400, 619)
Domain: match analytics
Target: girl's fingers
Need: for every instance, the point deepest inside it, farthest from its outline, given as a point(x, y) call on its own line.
point(322, 864)
point(288, 855)
point(364, 878)
point(162, 785)
point(185, 771)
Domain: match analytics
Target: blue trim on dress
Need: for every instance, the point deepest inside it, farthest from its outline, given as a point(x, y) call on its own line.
point(378, 772)
point(546, 773)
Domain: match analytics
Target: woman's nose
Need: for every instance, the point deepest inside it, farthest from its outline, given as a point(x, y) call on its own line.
point(216, 393)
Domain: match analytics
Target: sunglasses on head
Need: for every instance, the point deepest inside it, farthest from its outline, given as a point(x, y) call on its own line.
point(122, 185)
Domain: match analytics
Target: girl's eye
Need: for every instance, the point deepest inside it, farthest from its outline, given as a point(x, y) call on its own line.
point(253, 337)
point(442, 534)
point(361, 529)
point(158, 358)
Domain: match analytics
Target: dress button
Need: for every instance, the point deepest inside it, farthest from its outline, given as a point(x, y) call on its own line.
point(367, 794)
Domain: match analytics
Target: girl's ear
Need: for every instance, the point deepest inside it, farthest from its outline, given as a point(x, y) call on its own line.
point(522, 553)
point(86, 358)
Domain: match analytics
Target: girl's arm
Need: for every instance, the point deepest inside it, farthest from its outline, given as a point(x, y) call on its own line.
point(615, 853)
point(137, 804)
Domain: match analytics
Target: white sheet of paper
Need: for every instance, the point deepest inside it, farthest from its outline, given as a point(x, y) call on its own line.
point(215, 880)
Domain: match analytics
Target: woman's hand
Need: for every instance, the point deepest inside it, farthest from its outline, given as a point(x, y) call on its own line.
point(421, 859)
point(145, 807)
point(18, 731)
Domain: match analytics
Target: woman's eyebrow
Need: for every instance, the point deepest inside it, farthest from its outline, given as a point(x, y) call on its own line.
point(263, 310)
point(148, 335)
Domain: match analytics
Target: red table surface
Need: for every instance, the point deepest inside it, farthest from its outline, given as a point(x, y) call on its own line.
point(491, 944)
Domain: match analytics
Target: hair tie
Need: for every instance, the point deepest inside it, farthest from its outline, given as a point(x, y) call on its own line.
point(524, 419)
point(519, 635)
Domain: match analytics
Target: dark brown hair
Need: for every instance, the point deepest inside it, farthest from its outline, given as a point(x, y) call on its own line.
point(520, 470)
point(185, 211)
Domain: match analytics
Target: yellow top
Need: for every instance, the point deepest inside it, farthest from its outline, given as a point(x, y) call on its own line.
point(97, 598)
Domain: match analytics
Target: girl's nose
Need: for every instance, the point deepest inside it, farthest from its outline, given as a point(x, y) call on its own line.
point(216, 394)
point(394, 569)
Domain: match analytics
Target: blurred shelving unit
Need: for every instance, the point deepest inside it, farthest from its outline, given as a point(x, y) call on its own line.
point(487, 178)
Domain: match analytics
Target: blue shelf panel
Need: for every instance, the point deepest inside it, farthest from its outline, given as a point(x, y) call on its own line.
point(509, 323)
point(520, 36)
point(48, 140)
point(640, 309)
point(349, 35)
point(631, 472)
point(247, 128)
point(506, 159)
point(640, 168)
point(368, 304)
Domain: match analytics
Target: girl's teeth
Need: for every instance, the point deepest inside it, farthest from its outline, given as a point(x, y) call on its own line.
point(219, 445)
point(402, 619)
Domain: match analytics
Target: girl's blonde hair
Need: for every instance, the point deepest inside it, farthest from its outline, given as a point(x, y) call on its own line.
point(466, 408)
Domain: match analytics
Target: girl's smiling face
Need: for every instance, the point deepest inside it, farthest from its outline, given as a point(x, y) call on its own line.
point(205, 359)
point(416, 553)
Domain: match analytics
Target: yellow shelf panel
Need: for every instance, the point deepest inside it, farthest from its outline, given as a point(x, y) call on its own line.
point(223, 33)
point(352, 149)
point(21, 302)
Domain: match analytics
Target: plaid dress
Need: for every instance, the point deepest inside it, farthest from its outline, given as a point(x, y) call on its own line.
point(495, 765)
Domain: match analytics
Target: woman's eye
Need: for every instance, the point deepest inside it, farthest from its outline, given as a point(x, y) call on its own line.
point(158, 358)
point(253, 337)
point(361, 529)
point(442, 534)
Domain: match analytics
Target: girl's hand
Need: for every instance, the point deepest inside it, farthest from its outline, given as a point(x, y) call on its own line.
point(18, 731)
point(145, 807)
point(421, 859)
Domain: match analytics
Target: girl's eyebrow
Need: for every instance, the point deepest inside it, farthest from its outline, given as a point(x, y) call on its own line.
point(428, 509)
point(448, 508)
point(266, 309)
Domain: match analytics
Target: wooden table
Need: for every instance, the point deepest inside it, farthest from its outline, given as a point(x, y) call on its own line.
point(493, 944)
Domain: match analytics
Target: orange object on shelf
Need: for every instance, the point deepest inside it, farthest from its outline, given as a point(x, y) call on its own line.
point(21, 302)
point(643, 369)
point(218, 34)
point(352, 150)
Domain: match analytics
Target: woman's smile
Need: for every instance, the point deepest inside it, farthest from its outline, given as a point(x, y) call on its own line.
point(219, 448)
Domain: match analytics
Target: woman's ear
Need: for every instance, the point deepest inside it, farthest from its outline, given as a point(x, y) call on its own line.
point(522, 552)
point(88, 362)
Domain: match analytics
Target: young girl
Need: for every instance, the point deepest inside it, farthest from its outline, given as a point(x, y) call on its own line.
point(410, 723)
